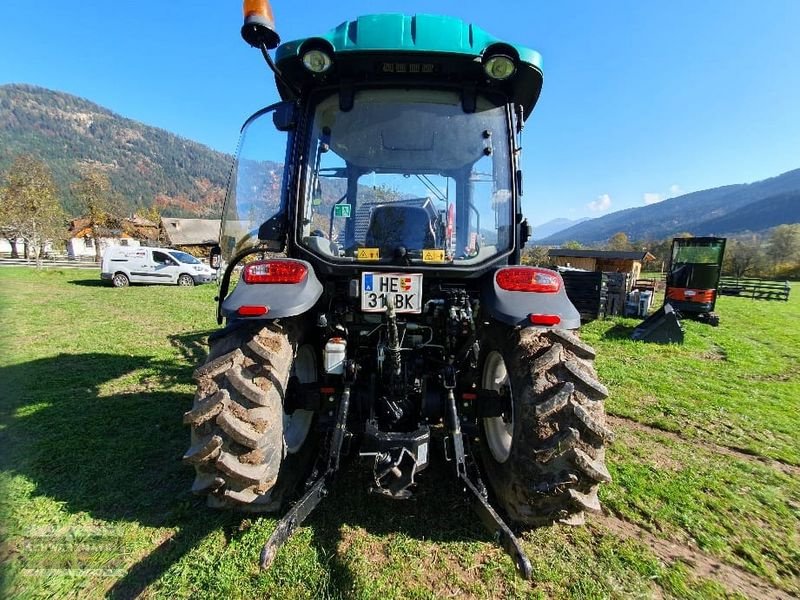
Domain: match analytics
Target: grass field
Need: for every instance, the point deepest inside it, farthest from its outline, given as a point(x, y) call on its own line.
point(94, 500)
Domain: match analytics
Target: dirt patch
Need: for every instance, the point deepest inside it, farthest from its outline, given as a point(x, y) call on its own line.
point(357, 540)
point(732, 578)
point(715, 353)
point(664, 462)
point(738, 453)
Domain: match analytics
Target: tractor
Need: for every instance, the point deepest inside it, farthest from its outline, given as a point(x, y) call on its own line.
point(374, 303)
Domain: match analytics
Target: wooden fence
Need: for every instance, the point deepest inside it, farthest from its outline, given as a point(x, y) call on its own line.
point(757, 289)
point(53, 261)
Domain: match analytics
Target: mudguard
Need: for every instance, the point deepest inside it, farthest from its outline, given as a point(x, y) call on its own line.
point(281, 299)
point(515, 308)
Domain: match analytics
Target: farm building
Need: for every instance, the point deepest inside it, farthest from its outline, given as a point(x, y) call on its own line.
point(123, 232)
point(195, 236)
point(607, 261)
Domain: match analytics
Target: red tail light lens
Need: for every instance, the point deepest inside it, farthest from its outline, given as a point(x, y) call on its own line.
point(252, 311)
point(275, 271)
point(544, 319)
point(528, 279)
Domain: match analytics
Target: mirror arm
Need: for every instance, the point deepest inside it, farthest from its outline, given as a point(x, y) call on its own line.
point(278, 75)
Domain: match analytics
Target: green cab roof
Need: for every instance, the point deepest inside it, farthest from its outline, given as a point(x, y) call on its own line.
point(424, 36)
point(410, 33)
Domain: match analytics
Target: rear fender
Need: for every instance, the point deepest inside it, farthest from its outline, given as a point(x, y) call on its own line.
point(280, 299)
point(515, 308)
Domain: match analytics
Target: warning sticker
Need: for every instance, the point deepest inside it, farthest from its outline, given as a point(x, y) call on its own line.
point(368, 254)
point(433, 255)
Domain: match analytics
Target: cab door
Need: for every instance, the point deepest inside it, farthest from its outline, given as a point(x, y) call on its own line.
point(165, 268)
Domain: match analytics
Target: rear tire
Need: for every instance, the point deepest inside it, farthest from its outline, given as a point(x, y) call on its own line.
point(120, 280)
point(248, 454)
point(546, 458)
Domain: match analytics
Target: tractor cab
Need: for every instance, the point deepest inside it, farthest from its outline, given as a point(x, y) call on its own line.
point(402, 136)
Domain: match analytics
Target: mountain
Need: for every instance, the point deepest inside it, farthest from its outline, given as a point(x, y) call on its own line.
point(553, 227)
point(145, 164)
point(717, 211)
point(758, 216)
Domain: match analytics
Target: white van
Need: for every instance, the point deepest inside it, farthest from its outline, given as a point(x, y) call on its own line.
point(124, 265)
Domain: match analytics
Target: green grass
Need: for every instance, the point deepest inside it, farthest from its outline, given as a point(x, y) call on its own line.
point(734, 385)
point(94, 499)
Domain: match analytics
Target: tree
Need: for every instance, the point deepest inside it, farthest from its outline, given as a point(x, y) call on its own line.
point(743, 257)
point(783, 247)
point(30, 207)
point(8, 225)
point(151, 214)
point(536, 256)
point(661, 250)
point(620, 242)
point(572, 245)
point(99, 204)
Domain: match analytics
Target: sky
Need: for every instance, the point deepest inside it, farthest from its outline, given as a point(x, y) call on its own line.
point(642, 100)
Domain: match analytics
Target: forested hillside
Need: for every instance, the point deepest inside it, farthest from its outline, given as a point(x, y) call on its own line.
point(146, 165)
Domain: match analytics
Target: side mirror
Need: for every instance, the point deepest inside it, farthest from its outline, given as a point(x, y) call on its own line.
point(284, 116)
point(526, 231)
point(273, 230)
point(215, 259)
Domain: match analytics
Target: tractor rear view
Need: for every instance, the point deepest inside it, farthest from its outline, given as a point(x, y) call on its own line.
point(372, 293)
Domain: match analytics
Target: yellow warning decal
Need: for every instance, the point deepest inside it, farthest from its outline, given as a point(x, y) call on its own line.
point(433, 255)
point(368, 254)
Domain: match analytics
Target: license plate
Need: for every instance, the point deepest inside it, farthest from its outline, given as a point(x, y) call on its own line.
point(403, 289)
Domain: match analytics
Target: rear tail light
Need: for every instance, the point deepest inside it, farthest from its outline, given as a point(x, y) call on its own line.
point(252, 311)
point(528, 279)
point(544, 319)
point(275, 271)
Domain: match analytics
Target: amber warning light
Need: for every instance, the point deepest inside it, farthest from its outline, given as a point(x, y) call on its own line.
point(259, 24)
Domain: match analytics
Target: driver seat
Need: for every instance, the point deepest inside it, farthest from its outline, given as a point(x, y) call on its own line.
point(392, 226)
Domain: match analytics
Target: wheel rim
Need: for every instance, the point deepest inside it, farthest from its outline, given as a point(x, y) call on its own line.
point(499, 431)
point(185, 280)
point(120, 280)
point(297, 425)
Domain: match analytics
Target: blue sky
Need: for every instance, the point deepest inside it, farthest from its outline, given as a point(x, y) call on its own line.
point(642, 100)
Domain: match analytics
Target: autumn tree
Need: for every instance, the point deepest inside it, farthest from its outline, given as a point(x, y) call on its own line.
point(536, 256)
point(620, 242)
point(98, 202)
point(29, 206)
point(8, 225)
point(783, 247)
point(152, 214)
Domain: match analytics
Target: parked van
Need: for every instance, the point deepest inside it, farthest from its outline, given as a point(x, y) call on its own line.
point(124, 265)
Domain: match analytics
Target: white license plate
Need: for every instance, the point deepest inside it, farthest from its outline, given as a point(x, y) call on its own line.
point(404, 290)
